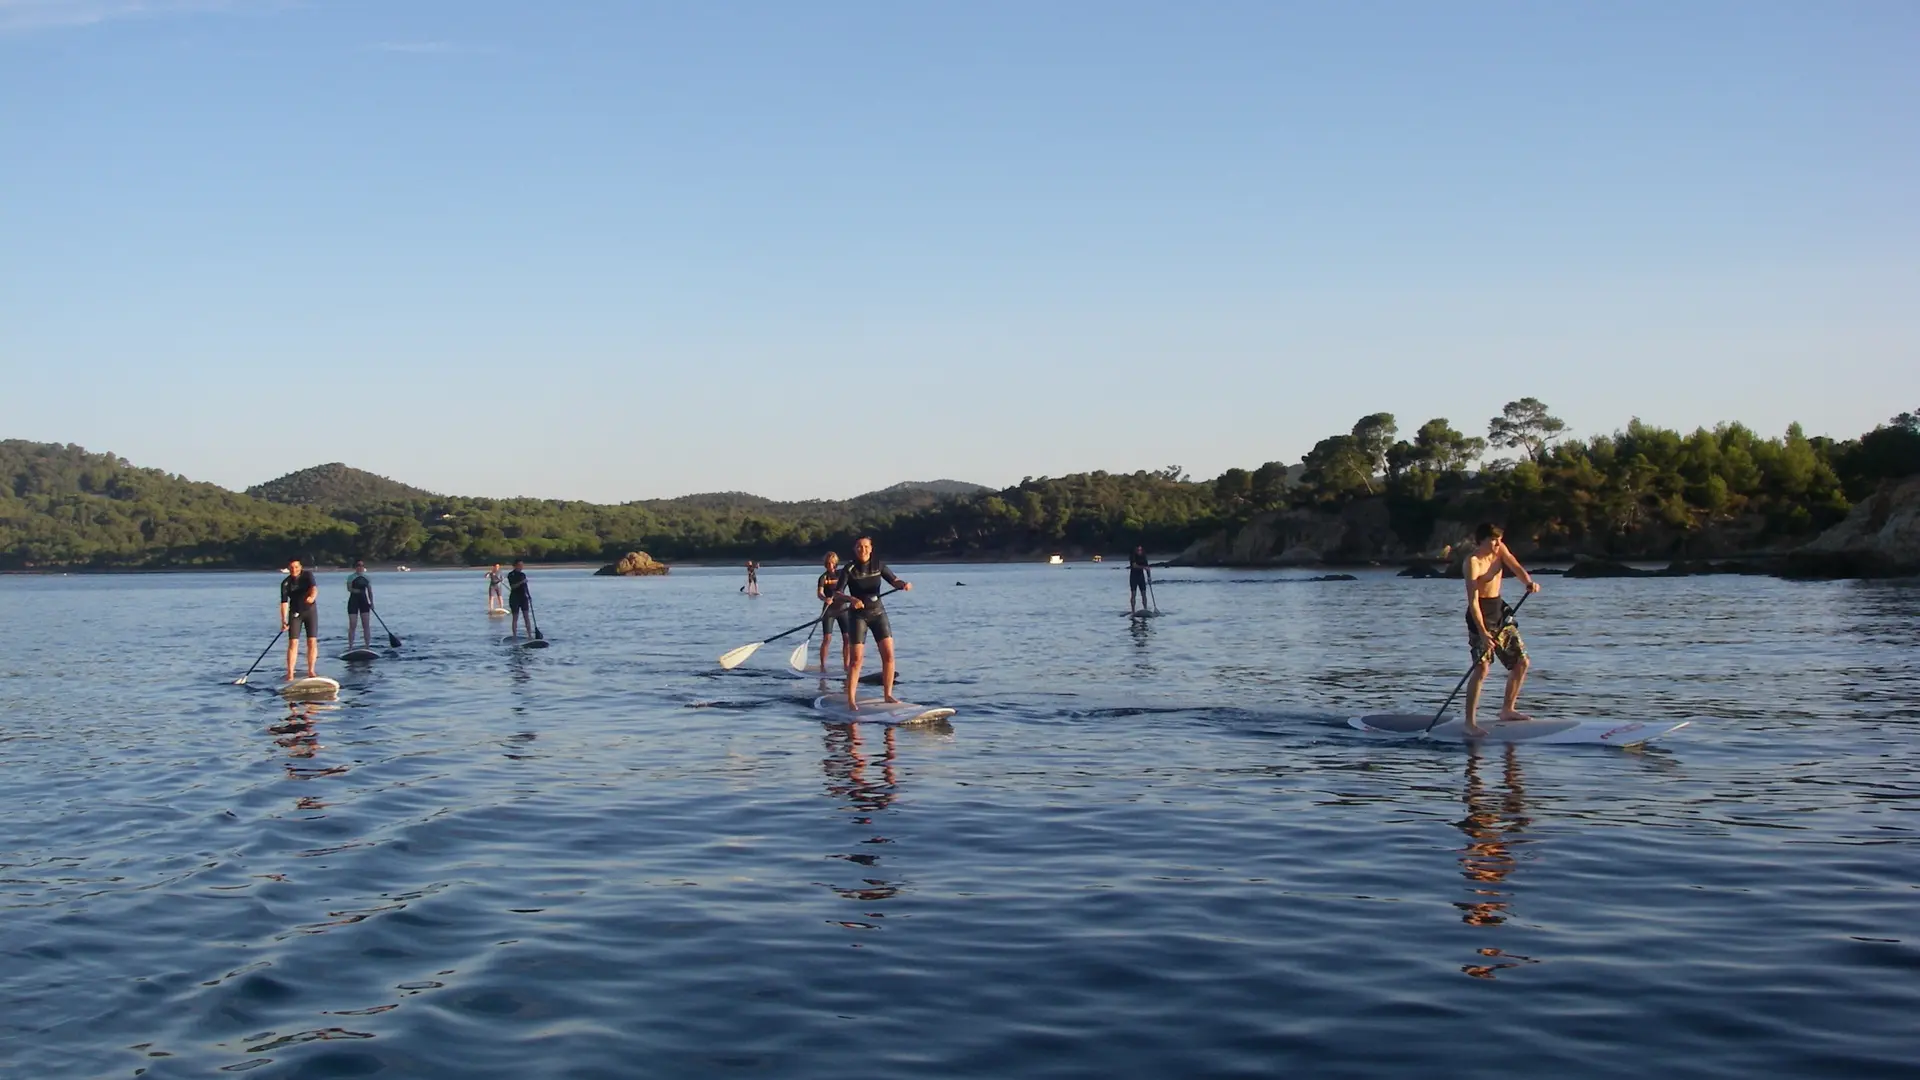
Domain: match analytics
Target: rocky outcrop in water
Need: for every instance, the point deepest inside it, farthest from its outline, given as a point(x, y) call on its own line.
point(633, 564)
point(1880, 537)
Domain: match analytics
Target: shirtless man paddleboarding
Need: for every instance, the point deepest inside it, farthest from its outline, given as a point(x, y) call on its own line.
point(1490, 628)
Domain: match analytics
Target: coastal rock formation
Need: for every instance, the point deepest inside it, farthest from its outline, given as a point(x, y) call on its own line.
point(633, 564)
point(1880, 537)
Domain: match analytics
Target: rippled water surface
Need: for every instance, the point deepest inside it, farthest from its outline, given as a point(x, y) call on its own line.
point(1141, 848)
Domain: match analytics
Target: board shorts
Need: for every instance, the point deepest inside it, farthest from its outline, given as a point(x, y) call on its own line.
point(1137, 579)
point(299, 622)
point(357, 607)
point(1505, 644)
point(518, 602)
point(859, 622)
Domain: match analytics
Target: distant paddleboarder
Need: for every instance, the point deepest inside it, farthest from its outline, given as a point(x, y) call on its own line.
point(860, 583)
point(493, 589)
point(833, 615)
point(1138, 573)
point(519, 600)
point(1490, 628)
point(360, 603)
point(299, 602)
point(752, 587)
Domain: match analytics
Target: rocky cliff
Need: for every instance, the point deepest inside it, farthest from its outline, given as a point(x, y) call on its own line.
point(1879, 538)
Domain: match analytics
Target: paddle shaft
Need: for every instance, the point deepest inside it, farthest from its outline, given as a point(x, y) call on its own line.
point(242, 680)
point(1504, 622)
point(393, 642)
point(815, 621)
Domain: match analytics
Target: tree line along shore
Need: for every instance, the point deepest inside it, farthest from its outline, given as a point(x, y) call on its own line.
point(1363, 494)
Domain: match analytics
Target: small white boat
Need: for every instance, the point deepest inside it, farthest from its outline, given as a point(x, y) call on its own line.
point(1054, 560)
point(403, 569)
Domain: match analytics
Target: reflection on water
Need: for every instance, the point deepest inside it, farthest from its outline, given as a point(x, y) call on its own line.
point(1496, 823)
point(851, 776)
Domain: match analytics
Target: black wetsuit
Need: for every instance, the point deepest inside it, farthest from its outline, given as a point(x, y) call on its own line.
point(518, 598)
point(862, 581)
point(1137, 572)
point(359, 594)
point(300, 614)
point(827, 585)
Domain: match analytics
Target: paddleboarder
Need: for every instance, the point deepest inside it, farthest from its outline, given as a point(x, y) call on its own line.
point(360, 602)
point(860, 583)
point(1138, 573)
point(299, 600)
point(833, 614)
point(1490, 628)
point(519, 600)
point(752, 587)
point(493, 589)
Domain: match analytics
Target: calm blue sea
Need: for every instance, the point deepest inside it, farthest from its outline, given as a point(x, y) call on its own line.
point(1141, 849)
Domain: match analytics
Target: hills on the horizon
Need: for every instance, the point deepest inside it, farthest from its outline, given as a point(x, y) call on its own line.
point(1640, 492)
point(338, 486)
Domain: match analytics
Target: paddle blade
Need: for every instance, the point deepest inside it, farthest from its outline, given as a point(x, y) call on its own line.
point(798, 661)
point(392, 641)
point(729, 661)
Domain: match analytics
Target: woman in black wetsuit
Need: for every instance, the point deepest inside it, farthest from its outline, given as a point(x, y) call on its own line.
point(833, 613)
point(860, 583)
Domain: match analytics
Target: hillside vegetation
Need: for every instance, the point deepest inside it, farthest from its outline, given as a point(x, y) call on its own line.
point(1643, 491)
point(335, 486)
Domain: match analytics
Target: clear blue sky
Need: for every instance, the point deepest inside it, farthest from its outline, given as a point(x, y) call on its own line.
point(623, 250)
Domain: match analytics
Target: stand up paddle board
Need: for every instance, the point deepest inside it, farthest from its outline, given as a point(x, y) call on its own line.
point(1614, 732)
point(876, 710)
point(359, 656)
point(524, 643)
point(496, 613)
point(317, 686)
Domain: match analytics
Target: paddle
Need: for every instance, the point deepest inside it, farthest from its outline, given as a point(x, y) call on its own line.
point(1152, 599)
point(1511, 612)
point(242, 680)
point(734, 658)
point(392, 641)
point(535, 623)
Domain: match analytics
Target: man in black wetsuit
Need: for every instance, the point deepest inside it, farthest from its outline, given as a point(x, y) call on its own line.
point(299, 600)
point(860, 582)
point(519, 600)
point(360, 604)
point(1138, 574)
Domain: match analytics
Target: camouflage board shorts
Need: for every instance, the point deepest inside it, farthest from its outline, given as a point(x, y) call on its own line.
point(1506, 643)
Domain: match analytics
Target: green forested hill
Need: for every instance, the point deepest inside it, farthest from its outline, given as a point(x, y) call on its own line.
point(63, 506)
point(335, 486)
point(1638, 491)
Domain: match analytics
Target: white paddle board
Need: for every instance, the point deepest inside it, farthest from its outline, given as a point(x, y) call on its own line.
point(318, 686)
point(359, 655)
point(1614, 732)
point(496, 613)
point(876, 710)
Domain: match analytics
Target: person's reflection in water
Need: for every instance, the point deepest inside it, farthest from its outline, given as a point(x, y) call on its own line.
point(848, 768)
point(1496, 821)
point(300, 738)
